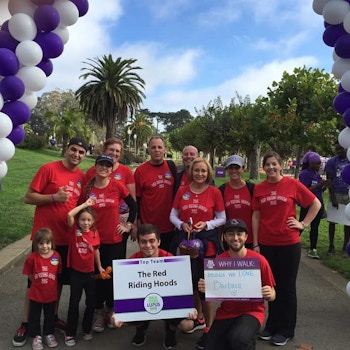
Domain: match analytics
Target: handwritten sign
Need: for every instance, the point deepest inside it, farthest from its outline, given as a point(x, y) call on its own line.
point(232, 279)
point(152, 288)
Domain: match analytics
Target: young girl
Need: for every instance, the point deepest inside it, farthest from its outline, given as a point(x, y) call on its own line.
point(83, 253)
point(42, 267)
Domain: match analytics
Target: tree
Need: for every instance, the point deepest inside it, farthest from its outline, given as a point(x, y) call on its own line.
point(113, 91)
point(172, 120)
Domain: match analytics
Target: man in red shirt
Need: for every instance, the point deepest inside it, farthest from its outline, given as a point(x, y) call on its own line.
point(155, 183)
point(237, 323)
point(55, 190)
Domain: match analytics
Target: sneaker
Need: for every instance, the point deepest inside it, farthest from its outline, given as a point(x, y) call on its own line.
point(60, 326)
point(313, 254)
point(197, 324)
point(139, 337)
point(87, 336)
point(20, 337)
point(170, 338)
point(37, 343)
point(109, 321)
point(331, 250)
point(50, 340)
point(264, 335)
point(99, 324)
point(69, 341)
point(279, 339)
point(200, 344)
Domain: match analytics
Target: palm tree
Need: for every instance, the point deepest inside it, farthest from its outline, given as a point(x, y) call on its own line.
point(113, 91)
point(140, 127)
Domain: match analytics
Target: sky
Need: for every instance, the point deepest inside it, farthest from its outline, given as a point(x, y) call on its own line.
point(193, 51)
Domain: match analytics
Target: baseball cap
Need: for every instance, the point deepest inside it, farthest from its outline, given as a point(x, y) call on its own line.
point(235, 223)
point(78, 141)
point(104, 158)
point(234, 159)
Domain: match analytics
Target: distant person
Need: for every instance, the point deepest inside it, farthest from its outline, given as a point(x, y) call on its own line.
point(338, 192)
point(55, 190)
point(189, 153)
point(237, 194)
point(42, 268)
point(155, 188)
point(311, 178)
point(276, 235)
point(148, 238)
point(83, 254)
point(237, 323)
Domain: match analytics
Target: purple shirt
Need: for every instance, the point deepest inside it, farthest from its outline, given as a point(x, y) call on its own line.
point(333, 169)
point(310, 178)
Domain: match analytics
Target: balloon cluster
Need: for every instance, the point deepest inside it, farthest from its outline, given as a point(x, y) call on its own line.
point(34, 35)
point(336, 15)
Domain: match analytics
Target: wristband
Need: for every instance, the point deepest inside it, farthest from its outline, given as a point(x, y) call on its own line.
point(303, 223)
point(255, 246)
point(52, 196)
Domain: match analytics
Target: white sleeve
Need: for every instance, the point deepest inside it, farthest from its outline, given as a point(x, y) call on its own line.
point(220, 219)
point(174, 218)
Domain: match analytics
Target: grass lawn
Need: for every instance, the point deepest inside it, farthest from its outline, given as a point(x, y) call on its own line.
point(16, 217)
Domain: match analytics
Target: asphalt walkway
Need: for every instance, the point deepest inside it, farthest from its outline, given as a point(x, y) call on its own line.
point(323, 310)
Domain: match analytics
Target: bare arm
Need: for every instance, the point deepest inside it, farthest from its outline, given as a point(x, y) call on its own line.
point(98, 261)
point(255, 229)
point(71, 214)
point(35, 198)
point(268, 293)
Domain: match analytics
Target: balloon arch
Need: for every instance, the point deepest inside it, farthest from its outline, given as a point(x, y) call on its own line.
point(30, 39)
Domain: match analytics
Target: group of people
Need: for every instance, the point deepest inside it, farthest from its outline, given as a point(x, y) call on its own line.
point(82, 223)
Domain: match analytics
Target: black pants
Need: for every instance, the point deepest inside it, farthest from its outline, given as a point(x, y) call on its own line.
point(284, 263)
point(315, 223)
point(237, 333)
point(104, 288)
point(35, 309)
point(81, 281)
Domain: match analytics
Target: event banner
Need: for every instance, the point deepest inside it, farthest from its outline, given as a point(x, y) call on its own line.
point(232, 279)
point(152, 288)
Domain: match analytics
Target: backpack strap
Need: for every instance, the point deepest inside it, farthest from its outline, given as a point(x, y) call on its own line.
point(222, 189)
point(250, 186)
point(173, 170)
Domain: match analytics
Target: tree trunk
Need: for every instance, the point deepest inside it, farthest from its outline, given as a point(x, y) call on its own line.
point(297, 165)
point(254, 161)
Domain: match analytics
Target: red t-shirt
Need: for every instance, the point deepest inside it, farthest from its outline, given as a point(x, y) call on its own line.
point(107, 210)
point(44, 273)
point(154, 188)
point(184, 179)
point(232, 309)
point(276, 202)
point(49, 178)
point(139, 255)
point(238, 205)
point(81, 252)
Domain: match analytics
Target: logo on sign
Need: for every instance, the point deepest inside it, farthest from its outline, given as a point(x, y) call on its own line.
point(153, 303)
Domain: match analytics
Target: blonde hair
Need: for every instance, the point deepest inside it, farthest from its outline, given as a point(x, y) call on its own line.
point(209, 169)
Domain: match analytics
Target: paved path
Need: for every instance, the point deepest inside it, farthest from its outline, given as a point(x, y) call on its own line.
point(323, 311)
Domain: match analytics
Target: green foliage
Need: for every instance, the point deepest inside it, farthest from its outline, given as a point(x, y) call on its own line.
point(33, 142)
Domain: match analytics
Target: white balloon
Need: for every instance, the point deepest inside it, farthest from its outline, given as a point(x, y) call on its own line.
point(344, 138)
point(334, 11)
point(347, 211)
point(335, 56)
point(348, 289)
point(346, 22)
point(34, 79)
point(29, 53)
point(30, 99)
point(62, 32)
point(3, 169)
point(7, 149)
point(5, 125)
point(22, 27)
point(340, 66)
point(345, 81)
point(69, 13)
point(1, 102)
point(318, 6)
point(348, 155)
point(21, 6)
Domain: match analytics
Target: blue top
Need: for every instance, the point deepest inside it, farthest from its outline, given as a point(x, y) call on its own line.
point(333, 168)
point(310, 178)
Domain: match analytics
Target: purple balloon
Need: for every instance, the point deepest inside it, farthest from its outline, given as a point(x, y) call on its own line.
point(332, 33)
point(342, 46)
point(18, 112)
point(17, 135)
point(46, 66)
point(345, 174)
point(346, 117)
point(12, 88)
point(46, 18)
point(340, 88)
point(50, 43)
point(5, 26)
point(82, 5)
point(43, 2)
point(341, 102)
point(7, 41)
point(9, 64)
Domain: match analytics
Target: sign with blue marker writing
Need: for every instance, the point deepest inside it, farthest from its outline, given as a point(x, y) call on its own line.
point(232, 279)
point(152, 288)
